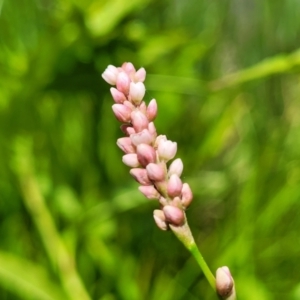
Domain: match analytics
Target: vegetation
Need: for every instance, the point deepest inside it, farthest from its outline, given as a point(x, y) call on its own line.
point(225, 75)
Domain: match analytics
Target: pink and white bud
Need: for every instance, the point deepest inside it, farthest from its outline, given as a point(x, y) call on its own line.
point(166, 149)
point(127, 129)
point(136, 92)
point(129, 68)
point(176, 167)
point(225, 284)
point(117, 95)
point(174, 186)
point(110, 74)
point(145, 154)
point(143, 107)
point(139, 121)
point(123, 82)
point(143, 137)
point(151, 112)
point(122, 112)
point(161, 138)
point(125, 145)
point(186, 195)
point(152, 129)
point(140, 75)
point(149, 191)
point(160, 219)
point(140, 175)
point(156, 172)
point(174, 215)
point(130, 160)
point(129, 105)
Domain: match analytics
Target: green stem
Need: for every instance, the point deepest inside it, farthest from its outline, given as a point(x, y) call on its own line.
point(184, 234)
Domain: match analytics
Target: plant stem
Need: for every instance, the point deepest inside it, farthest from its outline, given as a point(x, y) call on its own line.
point(184, 234)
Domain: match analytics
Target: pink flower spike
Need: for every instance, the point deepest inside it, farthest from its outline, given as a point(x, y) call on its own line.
point(186, 195)
point(140, 175)
point(122, 113)
point(176, 167)
point(145, 154)
point(151, 112)
point(160, 219)
point(123, 83)
point(129, 68)
point(167, 149)
point(117, 95)
point(174, 186)
point(125, 145)
point(149, 191)
point(143, 137)
point(110, 74)
point(225, 284)
point(136, 92)
point(130, 160)
point(139, 121)
point(174, 215)
point(155, 172)
point(140, 75)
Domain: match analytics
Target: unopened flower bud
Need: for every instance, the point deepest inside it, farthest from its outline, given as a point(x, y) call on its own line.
point(140, 75)
point(174, 186)
point(123, 82)
point(145, 154)
point(155, 172)
point(149, 191)
point(139, 121)
point(176, 167)
point(143, 137)
point(122, 112)
point(130, 160)
point(125, 145)
point(225, 284)
point(160, 219)
point(166, 149)
point(136, 92)
point(186, 195)
point(118, 96)
point(129, 68)
point(141, 176)
point(174, 215)
point(151, 112)
point(152, 129)
point(110, 74)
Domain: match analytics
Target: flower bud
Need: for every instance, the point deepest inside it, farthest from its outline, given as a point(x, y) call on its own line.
point(174, 215)
point(152, 129)
point(110, 74)
point(151, 112)
point(143, 137)
point(122, 112)
point(166, 149)
point(176, 167)
point(117, 95)
point(123, 82)
point(155, 172)
point(130, 160)
point(136, 92)
point(139, 121)
point(129, 68)
point(186, 195)
point(125, 145)
point(160, 219)
point(149, 191)
point(140, 75)
point(225, 284)
point(141, 176)
point(145, 154)
point(174, 186)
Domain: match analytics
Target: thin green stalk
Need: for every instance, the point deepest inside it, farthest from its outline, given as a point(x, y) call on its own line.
point(184, 234)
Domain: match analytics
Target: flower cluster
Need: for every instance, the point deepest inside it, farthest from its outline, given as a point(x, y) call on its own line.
point(145, 152)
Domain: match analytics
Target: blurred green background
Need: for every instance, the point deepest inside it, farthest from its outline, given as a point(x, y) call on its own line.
point(226, 78)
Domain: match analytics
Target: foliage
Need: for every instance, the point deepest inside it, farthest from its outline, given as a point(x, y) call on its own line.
point(225, 75)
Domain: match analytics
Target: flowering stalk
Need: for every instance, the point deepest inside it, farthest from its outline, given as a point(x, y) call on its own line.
point(148, 155)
